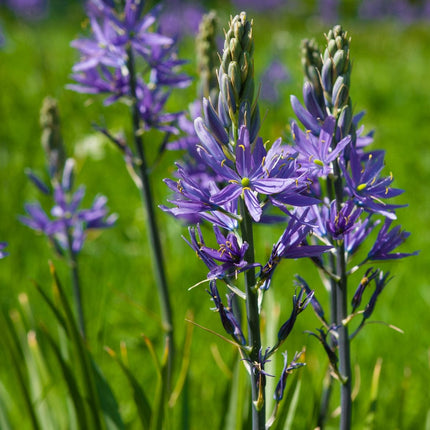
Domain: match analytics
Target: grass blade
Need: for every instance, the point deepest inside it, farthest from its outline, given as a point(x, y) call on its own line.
point(140, 398)
point(70, 379)
point(88, 377)
point(369, 422)
point(12, 345)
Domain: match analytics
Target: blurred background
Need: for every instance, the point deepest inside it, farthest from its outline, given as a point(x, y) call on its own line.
point(390, 46)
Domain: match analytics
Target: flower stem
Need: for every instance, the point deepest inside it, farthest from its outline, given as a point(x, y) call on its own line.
point(253, 319)
point(328, 384)
point(73, 263)
point(148, 204)
point(341, 314)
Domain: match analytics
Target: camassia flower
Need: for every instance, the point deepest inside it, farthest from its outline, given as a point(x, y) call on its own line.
point(387, 241)
point(121, 40)
point(228, 319)
point(230, 253)
point(292, 244)
point(249, 176)
point(3, 254)
point(316, 153)
point(365, 185)
point(68, 223)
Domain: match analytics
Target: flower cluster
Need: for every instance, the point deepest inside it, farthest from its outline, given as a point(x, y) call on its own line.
point(241, 182)
point(120, 41)
point(68, 223)
point(354, 199)
point(325, 187)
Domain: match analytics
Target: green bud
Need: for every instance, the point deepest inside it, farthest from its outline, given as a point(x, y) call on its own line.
point(52, 141)
point(235, 49)
point(237, 63)
point(207, 57)
point(312, 65)
point(339, 61)
point(235, 78)
point(244, 65)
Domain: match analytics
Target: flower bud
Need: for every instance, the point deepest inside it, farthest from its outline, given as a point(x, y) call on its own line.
point(207, 57)
point(52, 141)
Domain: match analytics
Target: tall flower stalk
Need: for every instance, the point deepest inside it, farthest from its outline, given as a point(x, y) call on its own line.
point(244, 183)
point(67, 226)
point(127, 59)
point(353, 196)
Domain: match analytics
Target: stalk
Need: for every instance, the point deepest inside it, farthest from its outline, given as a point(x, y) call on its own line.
point(253, 319)
point(328, 385)
point(73, 263)
point(341, 314)
point(154, 236)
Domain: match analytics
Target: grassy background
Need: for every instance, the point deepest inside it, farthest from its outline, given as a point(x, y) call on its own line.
point(390, 81)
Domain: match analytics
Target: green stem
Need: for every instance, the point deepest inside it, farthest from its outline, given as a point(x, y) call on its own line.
point(253, 319)
point(341, 314)
point(328, 385)
point(153, 231)
point(73, 263)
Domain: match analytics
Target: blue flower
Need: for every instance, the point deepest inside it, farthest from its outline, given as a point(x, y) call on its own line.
point(365, 185)
point(230, 253)
point(387, 241)
point(341, 222)
point(292, 244)
point(287, 370)
point(3, 254)
point(317, 153)
point(68, 222)
point(228, 319)
point(249, 177)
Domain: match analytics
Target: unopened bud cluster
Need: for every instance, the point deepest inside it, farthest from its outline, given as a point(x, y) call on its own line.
point(207, 56)
point(236, 74)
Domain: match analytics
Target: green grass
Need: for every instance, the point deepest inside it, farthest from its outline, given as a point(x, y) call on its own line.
point(389, 81)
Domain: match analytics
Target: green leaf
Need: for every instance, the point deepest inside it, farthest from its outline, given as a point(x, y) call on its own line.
point(108, 403)
point(4, 402)
point(12, 345)
point(369, 422)
point(140, 398)
point(238, 399)
point(71, 381)
point(83, 358)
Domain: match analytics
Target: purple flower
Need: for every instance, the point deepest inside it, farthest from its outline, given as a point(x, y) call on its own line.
point(317, 154)
point(104, 65)
point(228, 319)
point(250, 176)
point(365, 281)
point(365, 185)
point(230, 253)
point(292, 244)
point(287, 370)
point(3, 254)
point(387, 241)
point(151, 103)
point(318, 309)
point(355, 237)
point(299, 306)
point(101, 80)
point(193, 201)
point(340, 223)
point(69, 223)
point(380, 282)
